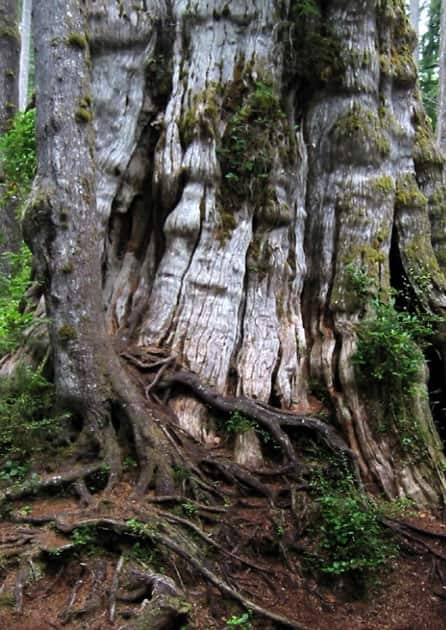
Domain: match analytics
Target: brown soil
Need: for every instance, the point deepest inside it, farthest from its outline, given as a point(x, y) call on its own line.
point(410, 595)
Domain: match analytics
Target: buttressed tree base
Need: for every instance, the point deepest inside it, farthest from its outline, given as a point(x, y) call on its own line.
point(238, 224)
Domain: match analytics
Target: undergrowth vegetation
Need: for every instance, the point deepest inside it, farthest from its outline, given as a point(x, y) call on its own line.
point(351, 539)
point(18, 156)
point(389, 356)
point(27, 419)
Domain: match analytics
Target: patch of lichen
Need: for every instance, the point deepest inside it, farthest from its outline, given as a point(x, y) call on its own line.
point(77, 40)
point(419, 257)
point(359, 275)
point(259, 257)
point(362, 127)
point(201, 118)
point(83, 115)
point(425, 152)
point(385, 184)
point(396, 52)
point(10, 32)
point(66, 333)
point(408, 195)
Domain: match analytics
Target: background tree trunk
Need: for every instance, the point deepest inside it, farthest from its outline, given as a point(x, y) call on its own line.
point(9, 72)
point(244, 159)
point(9, 62)
point(415, 19)
point(25, 32)
point(441, 107)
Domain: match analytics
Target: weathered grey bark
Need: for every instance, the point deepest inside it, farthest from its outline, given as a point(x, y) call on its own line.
point(25, 33)
point(441, 106)
point(246, 285)
point(9, 72)
point(65, 228)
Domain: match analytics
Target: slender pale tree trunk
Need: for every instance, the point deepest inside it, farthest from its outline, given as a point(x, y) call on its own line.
point(25, 32)
point(9, 61)
point(441, 107)
point(415, 19)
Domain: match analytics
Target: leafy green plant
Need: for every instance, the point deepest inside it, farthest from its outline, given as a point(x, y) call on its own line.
point(238, 423)
point(13, 471)
point(243, 621)
point(129, 463)
point(358, 279)
point(389, 356)
point(82, 536)
point(307, 7)
point(189, 508)
point(351, 538)
point(18, 155)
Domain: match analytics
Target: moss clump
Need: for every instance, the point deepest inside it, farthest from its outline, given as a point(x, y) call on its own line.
point(10, 32)
point(425, 151)
point(248, 146)
point(201, 119)
point(83, 115)
point(66, 333)
point(77, 40)
point(68, 268)
point(228, 223)
point(384, 184)
point(362, 126)
point(313, 52)
point(408, 195)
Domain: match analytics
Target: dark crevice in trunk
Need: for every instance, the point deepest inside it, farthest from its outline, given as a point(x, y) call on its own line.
point(406, 299)
point(437, 391)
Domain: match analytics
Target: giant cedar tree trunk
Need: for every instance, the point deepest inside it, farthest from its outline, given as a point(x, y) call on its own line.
point(207, 172)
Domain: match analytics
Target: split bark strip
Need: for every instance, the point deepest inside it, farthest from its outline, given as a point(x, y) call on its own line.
point(270, 418)
point(121, 527)
point(114, 589)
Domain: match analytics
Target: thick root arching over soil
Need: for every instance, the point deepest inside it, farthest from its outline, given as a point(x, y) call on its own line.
point(180, 534)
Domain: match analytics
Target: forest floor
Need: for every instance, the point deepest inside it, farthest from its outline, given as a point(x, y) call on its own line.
point(69, 580)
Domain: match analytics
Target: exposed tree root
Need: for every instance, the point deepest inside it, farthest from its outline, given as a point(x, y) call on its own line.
point(151, 533)
point(39, 483)
point(268, 417)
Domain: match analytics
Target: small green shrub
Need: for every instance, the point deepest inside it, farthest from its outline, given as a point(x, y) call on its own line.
point(238, 423)
point(351, 539)
point(389, 356)
point(243, 621)
point(388, 348)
